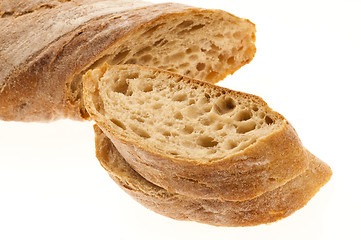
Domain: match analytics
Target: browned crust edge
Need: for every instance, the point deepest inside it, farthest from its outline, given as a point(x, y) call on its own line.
point(269, 207)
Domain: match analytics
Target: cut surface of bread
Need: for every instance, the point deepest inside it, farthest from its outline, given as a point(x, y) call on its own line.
point(269, 207)
point(46, 47)
point(192, 137)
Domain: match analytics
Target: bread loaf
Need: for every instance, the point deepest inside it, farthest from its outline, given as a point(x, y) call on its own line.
point(269, 207)
point(46, 47)
point(192, 137)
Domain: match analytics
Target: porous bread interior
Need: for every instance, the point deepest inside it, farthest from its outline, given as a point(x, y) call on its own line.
point(179, 117)
point(204, 45)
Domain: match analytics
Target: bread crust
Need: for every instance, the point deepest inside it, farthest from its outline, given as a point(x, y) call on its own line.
point(44, 44)
point(268, 207)
point(263, 166)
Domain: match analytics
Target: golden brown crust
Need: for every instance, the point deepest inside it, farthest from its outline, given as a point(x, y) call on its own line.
point(263, 166)
point(38, 61)
point(269, 207)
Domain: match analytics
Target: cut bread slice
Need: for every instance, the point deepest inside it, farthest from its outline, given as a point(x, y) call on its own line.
point(269, 207)
point(46, 47)
point(192, 137)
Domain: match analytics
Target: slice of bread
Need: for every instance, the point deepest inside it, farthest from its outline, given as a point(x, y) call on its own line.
point(269, 207)
point(46, 47)
point(192, 137)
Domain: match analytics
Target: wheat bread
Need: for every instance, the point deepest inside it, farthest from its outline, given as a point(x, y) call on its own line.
point(269, 207)
point(192, 137)
point(46, 47)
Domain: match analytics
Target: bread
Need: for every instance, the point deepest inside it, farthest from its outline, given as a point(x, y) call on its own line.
point(269, 207)
point(192, 137)
point(46, 47)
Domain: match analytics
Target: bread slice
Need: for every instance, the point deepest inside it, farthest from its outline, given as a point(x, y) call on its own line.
point(192, 137)
point(46, 47)
point(269, 207)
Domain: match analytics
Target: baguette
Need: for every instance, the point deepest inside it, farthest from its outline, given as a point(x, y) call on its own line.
point(192, 137)
point(46, 47)
point(269, 207)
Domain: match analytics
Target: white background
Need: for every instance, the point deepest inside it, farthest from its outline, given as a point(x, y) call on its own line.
point(307, 67)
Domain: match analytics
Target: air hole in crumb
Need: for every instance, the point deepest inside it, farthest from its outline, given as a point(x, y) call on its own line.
point(166, 133)
point(145, 58)
point(156, 43)
point(141, 120)
point(231, 60)
point(201, 66)
point(246, 127)
point(203, 100)
point(188, 129)
point(271, 179)
point(231, 144)
point(189, 50)
point(268, 120)
point(131, 61)
point(192, 29)
point(151, 30)
point(22, 106)
point(99, 62)
point(120, 56)
point(121, 86)
point(180, 97)
point(229, 104)
point(140, 132)
point(243, 115)
point(221, 57)
point(212, 53)
point(206, 121)
point(215, 47)
point(157, 105)
point(206, 141)
point(98, 103)
point(163, 43)
point(7, 14)
point(191, 101)
point(207, 108)
point(145, 87)
point(118, 123)
point(255, 108)
point(237, 35)
point(224, 106)
point(132, 75)
point(174, 153)
point(185, 24)
point(143, 50)
point(193, 111)
point(178, 116)
point(219, 126)
point(75, 83)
